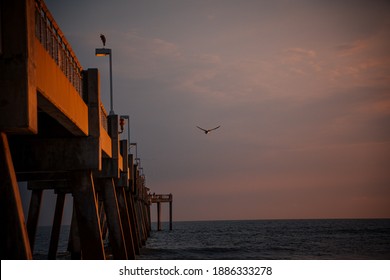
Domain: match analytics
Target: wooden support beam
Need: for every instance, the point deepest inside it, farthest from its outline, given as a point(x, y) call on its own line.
point(87, 216)
point(56, 229)
point(33, 216)
point(14, 241)
point(114, 222)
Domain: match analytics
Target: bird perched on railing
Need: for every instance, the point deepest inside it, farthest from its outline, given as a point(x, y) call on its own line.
point(206, 131)
point(103, 38)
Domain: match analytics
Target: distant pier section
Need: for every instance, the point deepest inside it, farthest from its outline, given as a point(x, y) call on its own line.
point(56, 135)
point(162, 198)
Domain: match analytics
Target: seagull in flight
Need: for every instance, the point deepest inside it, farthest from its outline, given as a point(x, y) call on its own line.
point(103, 38)
point(206, 131)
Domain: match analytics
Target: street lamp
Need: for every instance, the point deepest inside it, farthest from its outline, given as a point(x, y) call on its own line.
point(136, 150)
point(105, 52)
point(126, 117)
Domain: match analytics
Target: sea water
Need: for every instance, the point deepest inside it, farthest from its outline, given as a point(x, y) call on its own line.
point(339, 239)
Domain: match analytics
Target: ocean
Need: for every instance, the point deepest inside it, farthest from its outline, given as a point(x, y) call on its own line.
point(338, 239)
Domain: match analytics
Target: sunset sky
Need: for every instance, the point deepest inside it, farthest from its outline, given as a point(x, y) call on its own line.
point(301, 90)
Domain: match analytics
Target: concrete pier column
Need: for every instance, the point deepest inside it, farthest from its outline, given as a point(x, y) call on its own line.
point(149, 219)
point(114, 222)
point(141, 223)
point(127, 232)
point(135, 200)
point(87, 216)
point(133, 222)
point(74, 246)
point(122, 184)
point(33, 216)
point(103, 219)
point(55, 231)
point(145, 219)
point(14, 241)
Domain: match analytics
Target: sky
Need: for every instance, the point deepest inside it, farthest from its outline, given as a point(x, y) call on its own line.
point(301, 90)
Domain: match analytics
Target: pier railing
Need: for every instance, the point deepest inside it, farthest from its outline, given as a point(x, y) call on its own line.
point(154, 198)
point(103, 116)
point(50, 36)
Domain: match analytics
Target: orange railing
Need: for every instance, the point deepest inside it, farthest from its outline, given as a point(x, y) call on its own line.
point(103, 116)
point(55, 43)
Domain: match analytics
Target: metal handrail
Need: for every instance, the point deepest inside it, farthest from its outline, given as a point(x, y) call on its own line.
point(103, 116)
point(52, 39)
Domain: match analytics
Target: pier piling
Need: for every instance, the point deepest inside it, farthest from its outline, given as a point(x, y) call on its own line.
point(33, 215)
point(162, 198)
point(113, 219)
point(14, 238)
point(55, 231)
point(88, 222)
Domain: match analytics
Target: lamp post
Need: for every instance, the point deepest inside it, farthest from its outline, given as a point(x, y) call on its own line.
point(136, 150)
point(105, 52)
point(127, 117)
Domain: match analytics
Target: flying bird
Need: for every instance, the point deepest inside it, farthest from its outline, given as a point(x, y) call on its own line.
point(206, 131)
point(103, 38)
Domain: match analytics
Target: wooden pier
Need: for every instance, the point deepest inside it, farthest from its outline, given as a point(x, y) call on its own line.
point(56, 135)
point(158, 199)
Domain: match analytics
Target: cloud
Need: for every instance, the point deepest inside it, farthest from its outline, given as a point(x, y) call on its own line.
point(351, 48)
point(297, 54)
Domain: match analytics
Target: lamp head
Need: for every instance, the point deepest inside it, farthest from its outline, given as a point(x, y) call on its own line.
point(102, 52)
